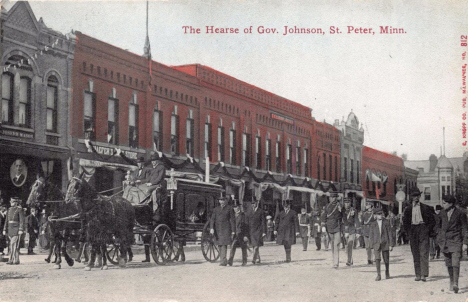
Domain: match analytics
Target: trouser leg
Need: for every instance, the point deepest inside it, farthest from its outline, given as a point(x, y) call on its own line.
point(233, 251)
point(349, 248)
point(386, 259)
point(14, 250)
point(255, 254)
point(336, 240)
point(318, 242)
point(368, 249)
point(287, 249)
point(305, 241)
point(222, 254)
point(414, 244)
point(424, 250)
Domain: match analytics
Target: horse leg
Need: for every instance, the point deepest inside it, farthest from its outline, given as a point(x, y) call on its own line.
point(104, 258)
point(51, 250)
point(69, 260)
point(86, 252)
point(80, 252)
point(58, 262)
point(93, 258)
point(123, 255)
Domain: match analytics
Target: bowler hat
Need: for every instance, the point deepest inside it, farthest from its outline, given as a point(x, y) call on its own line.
point(154, 156)
point(438, 207)
point(15, 199)
point(449, 199)
point(141, 159)
point(415, 192)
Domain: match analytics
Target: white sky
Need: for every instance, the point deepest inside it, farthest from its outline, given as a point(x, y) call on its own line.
point(404, 88)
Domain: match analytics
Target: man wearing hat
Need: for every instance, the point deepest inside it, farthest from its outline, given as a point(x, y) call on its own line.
point(304, 223)
point(367, 219)
point(139, 175)
point(418, 221)
point(256, 224)
point(452, 238)
point(14, 228)
point(241, 237)
point(351, 226)
point(333, 218)
point(382, 241)
point(316, 228)
point(287, 228)
point(33, 230)
point(222, 225)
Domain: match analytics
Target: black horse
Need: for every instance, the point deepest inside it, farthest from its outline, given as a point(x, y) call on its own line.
point(46, 195)
point(109, 220)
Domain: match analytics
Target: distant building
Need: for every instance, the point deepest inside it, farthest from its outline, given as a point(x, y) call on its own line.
point(36, 74)
point(437, 176)
point(352, 141)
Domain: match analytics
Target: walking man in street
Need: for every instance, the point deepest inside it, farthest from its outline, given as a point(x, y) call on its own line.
point(333, 218)
point(316, 228)
point(367, 219)
point(304, 223)
point(418, 221)
point(33, 230)
point(287, 228)
point(434, 246)
point(222, 225)
point(241, 237)
point(14, 229)
point(382, 241)
point(257, 229)
point(452, 238)
point(351, 226)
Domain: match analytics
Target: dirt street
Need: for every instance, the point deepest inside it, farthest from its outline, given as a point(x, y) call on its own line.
point(310, 277)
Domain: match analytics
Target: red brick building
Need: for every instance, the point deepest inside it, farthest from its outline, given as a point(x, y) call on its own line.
point(189, 110)
point(381, 172)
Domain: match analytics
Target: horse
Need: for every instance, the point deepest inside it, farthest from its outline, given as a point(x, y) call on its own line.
point(46, 195)
point(108, 220)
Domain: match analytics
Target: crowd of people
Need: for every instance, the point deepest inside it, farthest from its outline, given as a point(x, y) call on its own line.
point(430, 231)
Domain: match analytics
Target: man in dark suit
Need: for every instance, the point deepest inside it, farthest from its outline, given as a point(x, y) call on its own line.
point(256, 224)
point(14, 227)
point(333, 218)
point(33, 230)
point(3, 217)
point(351, 227)
point(241, 238)
point(222, 225)
point(140, 175)
point(434, 246)
point(367, 219)
point(287, 228)
point(382, 241)
point(452, 238)
point(316, 228)
point(418, 221)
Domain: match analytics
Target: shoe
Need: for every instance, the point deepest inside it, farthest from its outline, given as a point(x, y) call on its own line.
point(223, 264)
point(455, 289)
point(387, 275)
point(230, 262)
point(370, 262)
point(146, 260)
point(9, 263)
point(253, 262)
point(423, 278)
point(378, 278)
point(349, 263)
point(304, 250)
point(432, 257)
point(317, 249)
point(418, 278)
point(335, 266)
point(244, 263)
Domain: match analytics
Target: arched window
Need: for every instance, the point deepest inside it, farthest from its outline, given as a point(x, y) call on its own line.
point(52, 100)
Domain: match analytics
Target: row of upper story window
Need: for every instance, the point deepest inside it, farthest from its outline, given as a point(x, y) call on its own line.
point(252, 92)
point(220, 106)
point(445, 190)
point(328, 135)
point(109, 74)
point(350, 166)
point(331, 165)
point(18, 102)
point(290, 127)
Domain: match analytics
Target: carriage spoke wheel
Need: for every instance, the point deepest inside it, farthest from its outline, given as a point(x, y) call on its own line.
point(162, 243)
point(209, 248)
point(112, 254)
point(175, 251)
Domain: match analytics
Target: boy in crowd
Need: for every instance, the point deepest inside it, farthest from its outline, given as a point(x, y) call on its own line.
point(382, 241)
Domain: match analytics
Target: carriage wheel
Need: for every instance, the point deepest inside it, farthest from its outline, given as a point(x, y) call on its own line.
point(209, 248)
point(162, 243)
point(112, 254)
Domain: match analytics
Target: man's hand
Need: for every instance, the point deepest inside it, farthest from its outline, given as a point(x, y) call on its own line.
point(246, 239)
point(35, 231)
point(233, 235)
point(297, 234)
point(20, 232)
point(148, 184)
point(391, 248)
point(4, 233)
point(465, 247)
point(211, 231)
point(324, 229)
point(358, 235)
point(263, 235)
point(275, 232)
point(43, 233)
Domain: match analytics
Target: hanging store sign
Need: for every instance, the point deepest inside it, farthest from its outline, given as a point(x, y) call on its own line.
point(280, 117)
point(111, 151)
point(16, 133)
point(98, 164)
